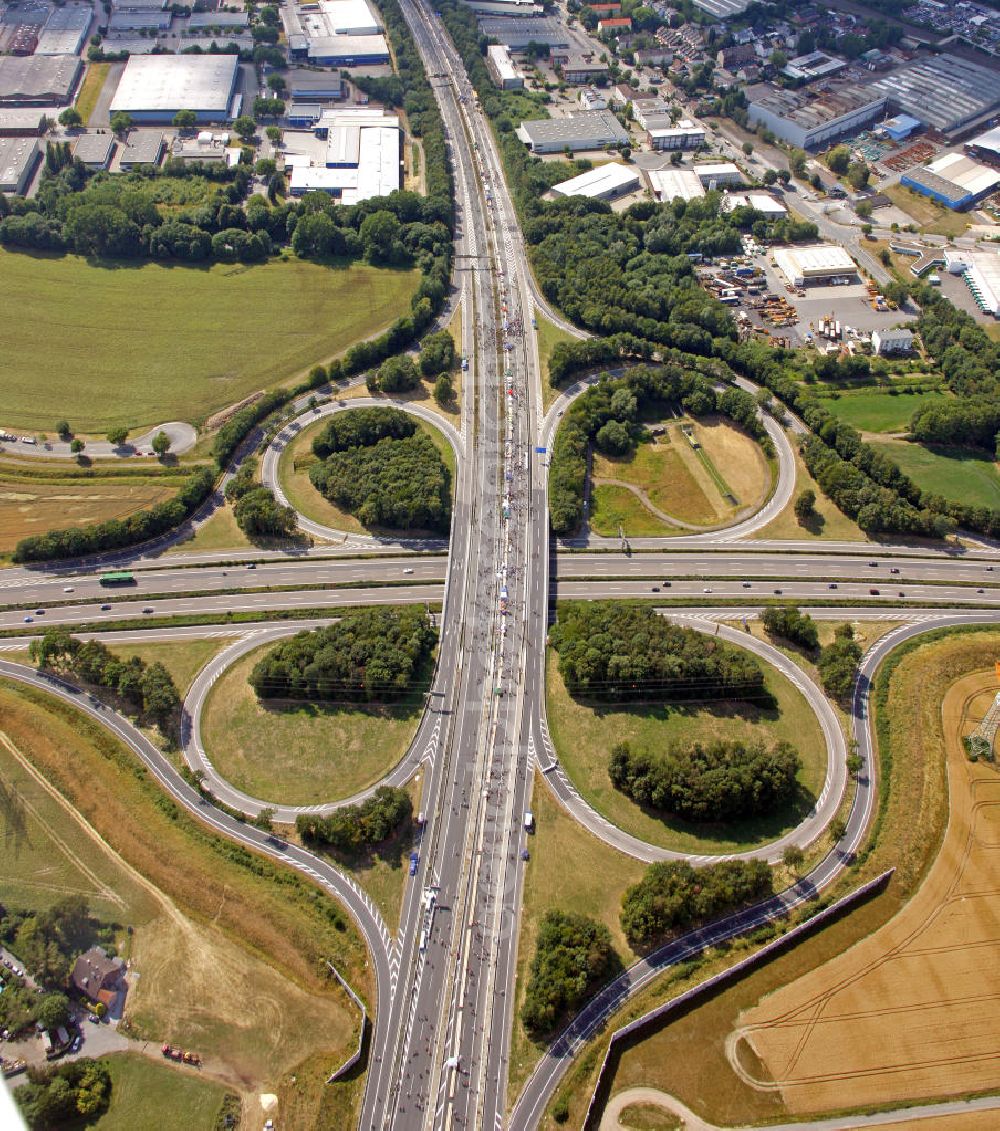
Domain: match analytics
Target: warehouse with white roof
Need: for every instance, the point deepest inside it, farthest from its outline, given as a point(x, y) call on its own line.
point(760, 202)
point(604, 182)
point(668, 184)
point(154, 87)
point(814, 263)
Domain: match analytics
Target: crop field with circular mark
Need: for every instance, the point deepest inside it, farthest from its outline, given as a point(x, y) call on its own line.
point(912, 1011)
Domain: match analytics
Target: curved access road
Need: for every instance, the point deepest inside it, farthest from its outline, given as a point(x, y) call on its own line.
point(802, 835)
point(422, 747)
point(273, 452)
point(182, 436)
point(596, 1014)
point(350, 894)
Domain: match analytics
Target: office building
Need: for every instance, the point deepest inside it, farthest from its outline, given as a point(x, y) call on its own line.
point(502, 69)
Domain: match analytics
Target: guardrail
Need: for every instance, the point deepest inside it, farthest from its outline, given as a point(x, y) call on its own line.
point(355, 1056)
point(638, 1028)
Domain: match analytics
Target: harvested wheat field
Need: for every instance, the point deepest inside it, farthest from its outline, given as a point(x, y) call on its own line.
point(912, 1011)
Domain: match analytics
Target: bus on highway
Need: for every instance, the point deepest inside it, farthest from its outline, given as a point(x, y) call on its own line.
point(117, 577)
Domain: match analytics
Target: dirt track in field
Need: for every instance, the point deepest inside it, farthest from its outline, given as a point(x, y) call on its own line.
point(913, 1010)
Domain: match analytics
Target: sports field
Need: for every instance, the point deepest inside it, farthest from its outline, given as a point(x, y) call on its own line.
point(963, 474)
point(300, 753)
point(583, 739)
point(140, 343)
point(874, 410)
point(909, 1012)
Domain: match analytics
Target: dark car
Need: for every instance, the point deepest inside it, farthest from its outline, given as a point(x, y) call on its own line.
point(832, 585)
point(414, 861)
point(104, 608)
point(666, 584)
point(873, 592)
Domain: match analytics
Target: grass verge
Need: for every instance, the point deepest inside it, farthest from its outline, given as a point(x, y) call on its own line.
point(967, 475)
point(90, 89)
point(301, 753)
point(549, 336)
point(583, 737)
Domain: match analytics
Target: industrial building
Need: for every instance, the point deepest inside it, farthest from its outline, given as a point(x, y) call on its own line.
point(304, 115)
point(593, 99)
point(348, 50)
point(815, 263)
point(985, 146)
point(344, 17)
point(944, 91)
point(587, 129)
point(139, 21)
point(579, 69)
point(502, 69)
point(718, 174)
point(313, 86)
point(65, 30)
point(19, 157)
point(954, 180)
point(16, 121)
point(683, 135)
point(95, 149)
point(604, 182)
point(154, 87)
point(723, 9)
point(504, 7)
point(813, 121)
point(143, 147)
point(897, 340)
point(900, 127)
point(667, 184)
point(375, 152)
point(981, 272)
point(238, 20)
point(761, 202)
point(38, 80)
point(816, 65)
point(518, 33)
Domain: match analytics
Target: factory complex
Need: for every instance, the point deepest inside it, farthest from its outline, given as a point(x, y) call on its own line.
point(361, 156)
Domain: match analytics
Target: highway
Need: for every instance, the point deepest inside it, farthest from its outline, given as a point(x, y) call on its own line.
point(444, 985)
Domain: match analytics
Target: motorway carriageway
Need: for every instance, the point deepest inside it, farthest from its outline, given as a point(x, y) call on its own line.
point(269, 601)
point(30, 588)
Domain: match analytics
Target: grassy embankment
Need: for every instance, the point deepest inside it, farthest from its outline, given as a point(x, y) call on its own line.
point(966, 475)
point(928, 215)
point(688, 1058)
point(214, 926)
point(693, 486)
point(549, 336)
point(584, 735)
point(202, 346)
point(827, 523)
point(876, 410)
point(90, 89)
point(301, 753)
point(293, 475)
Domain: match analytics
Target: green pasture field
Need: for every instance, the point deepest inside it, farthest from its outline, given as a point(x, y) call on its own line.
point(873, 410)
point(143, 1092)
point(965, 475)
point(141, 343)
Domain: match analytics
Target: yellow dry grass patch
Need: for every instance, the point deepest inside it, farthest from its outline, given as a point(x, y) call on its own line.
point(198, 989)
point(33, 508)
point(910, 1012)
